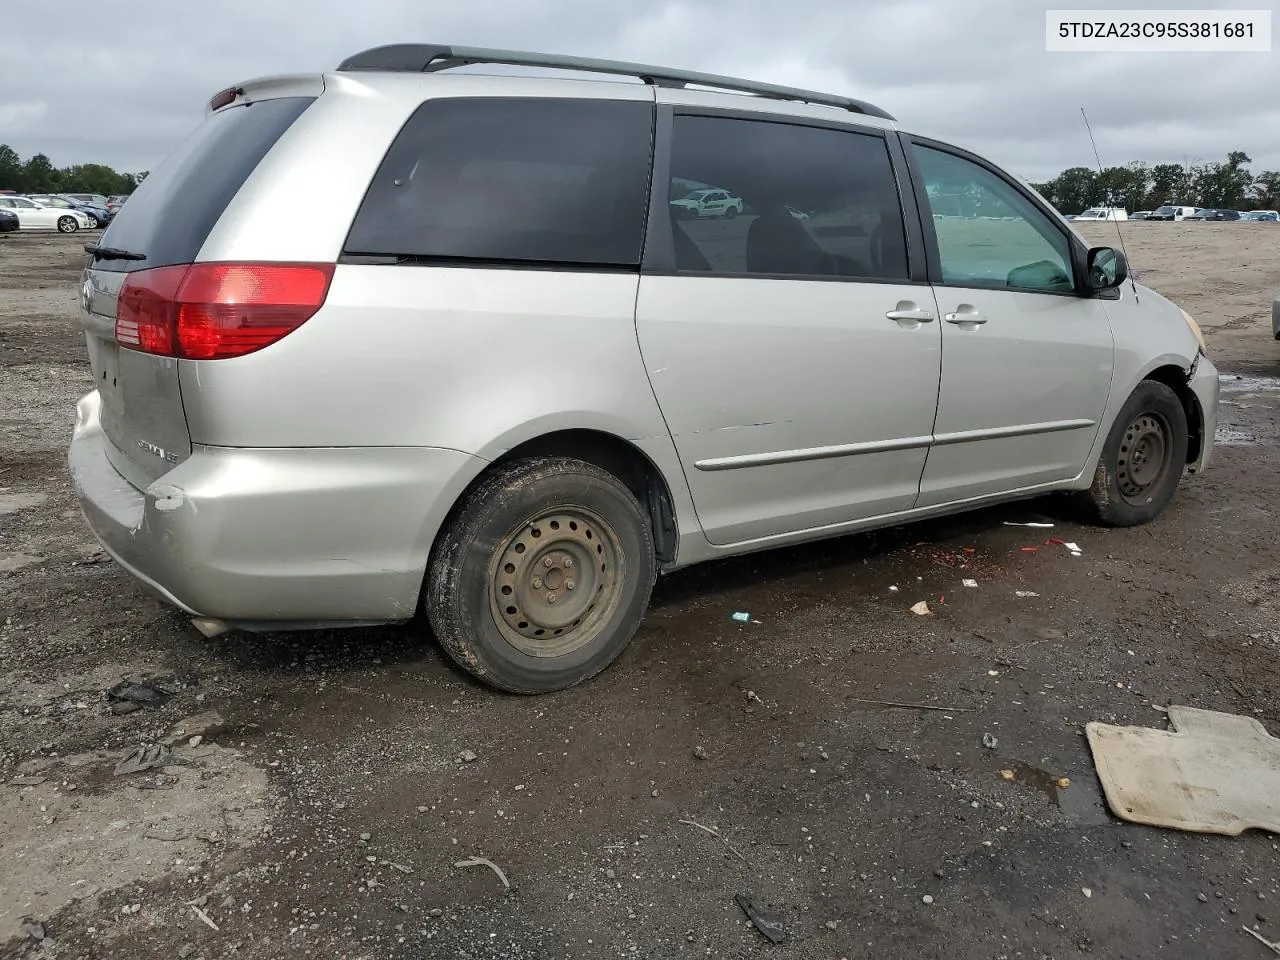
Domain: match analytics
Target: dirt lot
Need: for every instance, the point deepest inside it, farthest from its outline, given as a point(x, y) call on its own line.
point(325, 807)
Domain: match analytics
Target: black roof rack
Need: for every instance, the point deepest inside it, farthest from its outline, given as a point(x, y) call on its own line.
point(430, 57)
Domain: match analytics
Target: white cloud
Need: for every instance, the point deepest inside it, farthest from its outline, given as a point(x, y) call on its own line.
point(18, 115)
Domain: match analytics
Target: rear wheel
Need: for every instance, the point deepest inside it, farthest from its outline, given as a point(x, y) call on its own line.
point(730, 213)
point(541, 577)
point(1142, 461)
point(67, 225)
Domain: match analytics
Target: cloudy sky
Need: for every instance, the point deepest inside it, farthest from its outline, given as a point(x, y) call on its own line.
point(122, 82)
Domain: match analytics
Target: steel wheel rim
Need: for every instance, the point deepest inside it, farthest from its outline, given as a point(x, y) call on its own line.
point(569, 554)
point(1142, 461)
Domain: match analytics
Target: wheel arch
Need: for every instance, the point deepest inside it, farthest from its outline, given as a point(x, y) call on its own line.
point(1177, 379)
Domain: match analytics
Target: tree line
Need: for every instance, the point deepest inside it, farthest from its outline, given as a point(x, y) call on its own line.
point(38, 175)
point(1227, 185)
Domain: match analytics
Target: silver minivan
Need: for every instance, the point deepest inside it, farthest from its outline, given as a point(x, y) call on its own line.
point(499, 377)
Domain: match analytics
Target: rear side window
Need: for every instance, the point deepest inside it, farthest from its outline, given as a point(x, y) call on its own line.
point(169, 217)
point(759, 197)
point(561, 182)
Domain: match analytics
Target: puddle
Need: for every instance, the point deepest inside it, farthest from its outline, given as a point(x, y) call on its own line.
point(1232, 437)
point(1077, 800)
point(1233, 383)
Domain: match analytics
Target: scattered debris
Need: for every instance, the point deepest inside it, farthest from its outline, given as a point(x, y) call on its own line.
point(32, 929)
point(1025, 593)
point(927, 900)
point(92, 559)
point(1030, 549)
point(719, 836)
point(146, 757)
point(208, 921)
point(467, 756)
point(1087, 892)
point(1073, 548)
point(893, 589)
point(989, 741)
point(921, 609)
point(911, 706)
point(186, 950)
point(485, 862)
point(128, 695)
point(402, 867)
point(1042, 526)
point(969, 583)
point(28, 781)
point(195, 741)
point(700, 752)
point(772, 929)
point(1063, 782)
point(1212, 773)
point(752, 698)
point(742, 616)
point(168, 834)
point(1007, 774)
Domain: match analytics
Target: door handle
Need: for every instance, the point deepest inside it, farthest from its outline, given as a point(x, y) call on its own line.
point(965, 317)
point(908, 314)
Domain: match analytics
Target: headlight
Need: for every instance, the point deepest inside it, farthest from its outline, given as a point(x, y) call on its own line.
point(1195, 328)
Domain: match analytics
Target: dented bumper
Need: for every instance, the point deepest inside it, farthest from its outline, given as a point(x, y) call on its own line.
point(1204, 384)
point(288, 535)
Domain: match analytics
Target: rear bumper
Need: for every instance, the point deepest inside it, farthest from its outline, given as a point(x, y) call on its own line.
point(286, 535)
point(1205, 386)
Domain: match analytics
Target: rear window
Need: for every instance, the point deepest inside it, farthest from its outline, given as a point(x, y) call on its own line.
point(169, 217)
point(548, 181)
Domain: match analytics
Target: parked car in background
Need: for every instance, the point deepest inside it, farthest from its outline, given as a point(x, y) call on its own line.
point(1171, 212)
point(97, 199)
point(100, 216)
point(1103, 213)
point(8, 221)
point(1264, 216)
point(890, 365)
point(1209, 213)
point(1140, 215)
point(32, 216)
point(708, 203)
point(116, 201)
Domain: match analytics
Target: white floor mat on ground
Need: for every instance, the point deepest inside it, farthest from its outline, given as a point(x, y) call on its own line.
point(1212, 773)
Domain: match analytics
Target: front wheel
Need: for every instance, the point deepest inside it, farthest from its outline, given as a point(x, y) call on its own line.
point(1142, 461)
point(730, 213)
point(67, 225)
point(542, 575)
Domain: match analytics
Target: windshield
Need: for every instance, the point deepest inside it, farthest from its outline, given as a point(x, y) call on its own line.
point(1164, 210)
point(1092, 212)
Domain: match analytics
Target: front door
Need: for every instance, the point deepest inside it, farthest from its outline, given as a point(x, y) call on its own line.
point(794, 359)
point(1026, 361)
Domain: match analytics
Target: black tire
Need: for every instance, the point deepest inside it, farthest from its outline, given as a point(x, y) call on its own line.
point(67, 225)
point(1143, 459)
point(484, 595)
point(730, 213)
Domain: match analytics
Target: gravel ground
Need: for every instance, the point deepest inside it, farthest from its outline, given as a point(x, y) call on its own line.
point(337, 779)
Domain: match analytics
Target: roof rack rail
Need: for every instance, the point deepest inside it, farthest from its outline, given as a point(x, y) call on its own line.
point(431, 57)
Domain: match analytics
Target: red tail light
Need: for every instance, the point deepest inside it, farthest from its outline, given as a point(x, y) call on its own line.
point(212, 311)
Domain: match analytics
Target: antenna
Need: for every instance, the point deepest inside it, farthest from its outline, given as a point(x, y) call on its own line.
point(1111, 210)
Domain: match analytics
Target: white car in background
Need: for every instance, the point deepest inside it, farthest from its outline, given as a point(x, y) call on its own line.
point(1104, 213)
point(33, 216)
point(708, 203)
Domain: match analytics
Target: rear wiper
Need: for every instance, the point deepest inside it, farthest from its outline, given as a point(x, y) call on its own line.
point(112, 253)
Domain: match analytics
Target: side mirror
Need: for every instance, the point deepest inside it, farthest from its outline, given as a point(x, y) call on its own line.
point(1106, 269)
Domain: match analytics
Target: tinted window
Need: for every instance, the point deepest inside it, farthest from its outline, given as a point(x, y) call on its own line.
point(531, 180)
point(174, 209)
point(791, 200)
point(989, 233)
